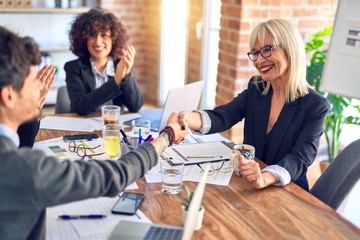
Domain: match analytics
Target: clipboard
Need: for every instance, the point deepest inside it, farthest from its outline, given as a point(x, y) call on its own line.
point(198, 153)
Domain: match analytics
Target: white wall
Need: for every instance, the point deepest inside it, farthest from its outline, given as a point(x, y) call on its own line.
point(49, 30)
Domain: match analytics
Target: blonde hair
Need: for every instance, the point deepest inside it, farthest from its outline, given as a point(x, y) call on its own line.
point(286, 35)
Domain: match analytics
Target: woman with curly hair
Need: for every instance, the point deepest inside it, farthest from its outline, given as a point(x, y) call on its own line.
point(102, 74)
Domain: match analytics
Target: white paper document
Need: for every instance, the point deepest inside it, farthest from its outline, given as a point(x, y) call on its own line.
point(199, 138)
point(58, 229)
point(220, 173)
point(70, 124)
point(57, 147)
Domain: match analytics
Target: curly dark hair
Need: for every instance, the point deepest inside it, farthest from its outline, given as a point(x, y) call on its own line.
point(17, 55)
point(91, 23)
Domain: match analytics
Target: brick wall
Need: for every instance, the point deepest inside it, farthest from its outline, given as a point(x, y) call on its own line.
point(194, 44)
point(142, 19)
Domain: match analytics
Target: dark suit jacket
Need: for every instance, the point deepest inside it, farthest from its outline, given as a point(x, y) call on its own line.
point(27, 133)
point(295, 135)
point(85, 98)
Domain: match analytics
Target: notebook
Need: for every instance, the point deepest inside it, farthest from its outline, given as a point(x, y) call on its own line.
point(138, 230)
point(185, 98)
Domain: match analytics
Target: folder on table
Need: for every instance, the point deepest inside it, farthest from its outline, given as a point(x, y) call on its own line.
point(198, 153)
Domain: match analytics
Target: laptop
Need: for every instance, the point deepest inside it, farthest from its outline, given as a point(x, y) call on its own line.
point(185, 98)
point(142, 231)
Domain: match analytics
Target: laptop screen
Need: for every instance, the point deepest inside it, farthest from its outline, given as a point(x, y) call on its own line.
point(185, 98)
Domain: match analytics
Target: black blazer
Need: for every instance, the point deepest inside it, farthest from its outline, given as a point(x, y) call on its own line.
point(27, 133)
point(85, 98)
point(295, 135)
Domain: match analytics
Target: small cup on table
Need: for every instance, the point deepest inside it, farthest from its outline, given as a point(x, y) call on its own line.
point(171, 177)
point(140, 127)
point(110, 114)
point(111, 137)
point(246, 150)
point(133, 143)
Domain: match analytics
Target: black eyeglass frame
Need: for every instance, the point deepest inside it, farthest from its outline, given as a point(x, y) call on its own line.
point(212, 170)
point(254, 54)
point(73, 147)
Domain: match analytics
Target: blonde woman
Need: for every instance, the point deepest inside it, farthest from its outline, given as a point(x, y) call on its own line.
point(283, 116)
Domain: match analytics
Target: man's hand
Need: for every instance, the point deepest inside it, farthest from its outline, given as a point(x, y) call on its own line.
point(46, 75)
point(180, 133)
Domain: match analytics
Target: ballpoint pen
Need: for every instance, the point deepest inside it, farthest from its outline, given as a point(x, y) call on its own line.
point(90, 216)
point(148, 138)
point(140, 137)
point(126, 140)
point(205, 156)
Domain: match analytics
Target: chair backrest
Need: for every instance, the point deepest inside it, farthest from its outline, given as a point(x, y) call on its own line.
point(62, 104)
point(339, 177)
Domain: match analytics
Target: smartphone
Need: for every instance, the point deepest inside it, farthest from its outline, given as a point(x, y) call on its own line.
point(79, 137)
point(128, 203)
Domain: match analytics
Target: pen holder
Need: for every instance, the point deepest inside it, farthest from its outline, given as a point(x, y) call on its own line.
point(125, 148)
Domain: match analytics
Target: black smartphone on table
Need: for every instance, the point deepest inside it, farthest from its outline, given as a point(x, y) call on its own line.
point(80, 137)
point(128, 203)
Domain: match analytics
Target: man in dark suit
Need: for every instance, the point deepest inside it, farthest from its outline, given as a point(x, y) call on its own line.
point(30, 181)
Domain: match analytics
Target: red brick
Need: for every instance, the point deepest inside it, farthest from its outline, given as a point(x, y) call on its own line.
point(257, 13)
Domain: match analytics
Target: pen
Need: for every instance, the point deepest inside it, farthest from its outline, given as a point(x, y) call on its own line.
point(205, 156)
point(91, 216)
point(140, 137)
point(148, 138)
point(126, 140)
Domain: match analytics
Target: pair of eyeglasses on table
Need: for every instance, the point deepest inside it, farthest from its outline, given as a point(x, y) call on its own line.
point(82, 150)
point(221, 167)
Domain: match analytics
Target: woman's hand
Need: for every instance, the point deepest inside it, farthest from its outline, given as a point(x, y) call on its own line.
point(46, 75)
point(251, 171)
point(191, 120)
point(126, 63)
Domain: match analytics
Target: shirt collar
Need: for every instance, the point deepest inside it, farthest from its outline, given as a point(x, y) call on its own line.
point(109, 69)
point(8, 132)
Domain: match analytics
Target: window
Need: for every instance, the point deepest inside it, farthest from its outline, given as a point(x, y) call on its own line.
point(210, 56)
point(173, 46)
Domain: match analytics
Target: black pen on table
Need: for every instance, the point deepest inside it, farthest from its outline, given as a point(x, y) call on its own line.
point(90, 216)
point(126, 140)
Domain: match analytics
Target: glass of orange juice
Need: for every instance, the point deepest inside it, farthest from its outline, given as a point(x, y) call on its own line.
point(111, 136)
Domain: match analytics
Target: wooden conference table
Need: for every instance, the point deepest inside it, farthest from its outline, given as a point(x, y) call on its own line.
point(238, 211)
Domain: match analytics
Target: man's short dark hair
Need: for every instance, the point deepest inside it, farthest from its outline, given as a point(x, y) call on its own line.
point(17, 54)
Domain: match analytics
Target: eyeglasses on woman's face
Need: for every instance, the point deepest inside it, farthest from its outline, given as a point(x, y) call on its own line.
point(265, 52)
point(82, 150)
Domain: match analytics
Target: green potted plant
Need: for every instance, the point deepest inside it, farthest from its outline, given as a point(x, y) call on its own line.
point(335, 120)
point(185, 202)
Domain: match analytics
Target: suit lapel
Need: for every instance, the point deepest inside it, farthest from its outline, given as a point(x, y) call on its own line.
point(88, 76)
point(280, 129)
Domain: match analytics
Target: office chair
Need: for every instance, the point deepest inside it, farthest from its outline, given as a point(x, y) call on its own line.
point(62, 104)
point(339, 177)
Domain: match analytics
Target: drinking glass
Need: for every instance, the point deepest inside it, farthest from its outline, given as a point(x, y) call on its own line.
point(111, 137)
point(110, 114)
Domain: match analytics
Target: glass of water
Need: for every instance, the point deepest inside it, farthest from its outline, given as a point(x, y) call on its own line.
point(171, 177)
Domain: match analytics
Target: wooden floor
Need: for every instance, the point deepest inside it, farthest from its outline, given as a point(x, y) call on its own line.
point(313, 171)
